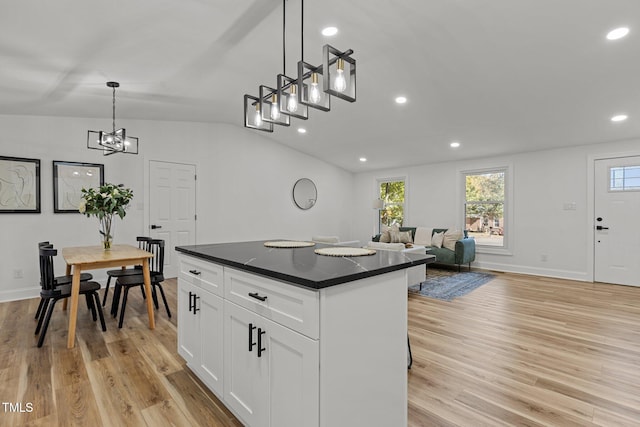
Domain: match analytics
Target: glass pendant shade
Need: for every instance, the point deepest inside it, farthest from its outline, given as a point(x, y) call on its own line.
point(340, 69)
point(310, 87)
point(270, 107)
point(253, 115)
point(288, 95)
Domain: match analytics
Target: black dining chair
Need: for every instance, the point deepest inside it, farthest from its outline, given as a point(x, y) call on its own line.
point(156, 270)
point(60, 280)
point(51, 292)
point(142, 244)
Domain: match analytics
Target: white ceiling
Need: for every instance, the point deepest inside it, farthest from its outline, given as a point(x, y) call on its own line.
point(500, 76)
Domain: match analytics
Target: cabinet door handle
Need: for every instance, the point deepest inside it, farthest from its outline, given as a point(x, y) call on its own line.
point(196, 272)
point(191, 295)
point(260, 348)
point(251, 343)
point(257, 296)
point(195, 298)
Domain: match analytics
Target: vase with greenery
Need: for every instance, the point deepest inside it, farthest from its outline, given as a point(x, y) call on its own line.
point(105, 202)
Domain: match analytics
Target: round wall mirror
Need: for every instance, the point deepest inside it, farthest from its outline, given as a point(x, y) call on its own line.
point(305, 193)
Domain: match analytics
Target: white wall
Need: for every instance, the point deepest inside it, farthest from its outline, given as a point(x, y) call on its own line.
point(244, 193)
point(543, 182)
point(243, 189)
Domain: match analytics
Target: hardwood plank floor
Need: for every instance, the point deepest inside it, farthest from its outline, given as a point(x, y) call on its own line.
point(520, 350)
point(530, 351)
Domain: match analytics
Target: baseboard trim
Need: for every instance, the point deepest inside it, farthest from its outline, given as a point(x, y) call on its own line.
point(534, 271)
point(15, 295)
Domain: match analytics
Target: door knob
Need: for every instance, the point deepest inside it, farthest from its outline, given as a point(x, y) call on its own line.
point(153, 226)
point(599, 227)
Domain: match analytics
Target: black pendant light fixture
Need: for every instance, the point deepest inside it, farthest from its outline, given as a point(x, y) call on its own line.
point(312, 87)
point(115, 141)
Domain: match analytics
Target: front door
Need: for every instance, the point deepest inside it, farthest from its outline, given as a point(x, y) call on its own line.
point(617, 210)
point(172, 208)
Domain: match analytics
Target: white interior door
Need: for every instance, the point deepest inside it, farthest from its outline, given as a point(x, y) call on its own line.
point(617, 209)
point(172, 208)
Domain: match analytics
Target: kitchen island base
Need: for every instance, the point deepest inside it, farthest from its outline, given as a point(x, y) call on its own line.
point(281, 355)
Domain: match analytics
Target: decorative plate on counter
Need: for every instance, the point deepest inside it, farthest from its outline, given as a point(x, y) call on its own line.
point(344, 251)
point(288, 244)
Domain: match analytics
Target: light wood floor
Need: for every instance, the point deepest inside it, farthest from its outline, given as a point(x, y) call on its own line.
point(520, 350)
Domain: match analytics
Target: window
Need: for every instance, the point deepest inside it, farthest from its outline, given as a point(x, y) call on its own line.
point(485, 207)
point(392, 194)
point(624, 178)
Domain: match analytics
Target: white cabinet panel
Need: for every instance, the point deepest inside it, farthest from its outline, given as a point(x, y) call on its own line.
point(200, 327)
point(288, 305)
point(188, 336)
point(203, 274)
point(211, 313)
point(245, 374)
point(271, 372)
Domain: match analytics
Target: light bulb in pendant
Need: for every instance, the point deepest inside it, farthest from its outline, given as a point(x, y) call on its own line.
point(314, 94)
point(275, 111)
point(258, 118)
point(340, 83)
point(292, 101)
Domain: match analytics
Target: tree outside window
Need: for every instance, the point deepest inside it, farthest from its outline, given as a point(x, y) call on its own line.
point(392, 194)
point(484, 207)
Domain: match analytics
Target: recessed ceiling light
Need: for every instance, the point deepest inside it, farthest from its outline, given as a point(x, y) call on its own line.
point(618, 33)
point(302, 130)
point(329, 31)
point(454, 144)
point(401, 100)
point(363, 159)
point(619, 118)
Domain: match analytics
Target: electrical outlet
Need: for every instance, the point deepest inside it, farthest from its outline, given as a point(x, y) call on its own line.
point(17, 274)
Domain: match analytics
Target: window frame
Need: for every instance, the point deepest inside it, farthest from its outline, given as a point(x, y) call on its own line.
point(624, 188)
point(380, 181)
point(508, 229)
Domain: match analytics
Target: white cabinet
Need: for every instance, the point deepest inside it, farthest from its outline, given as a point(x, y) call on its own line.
point(200, 322)
point(271, 373)
point(280, 355)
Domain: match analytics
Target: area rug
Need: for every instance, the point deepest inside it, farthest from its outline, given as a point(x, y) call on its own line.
point(447, 285)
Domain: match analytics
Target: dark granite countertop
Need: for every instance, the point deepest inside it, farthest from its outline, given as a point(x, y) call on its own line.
point(302, 266)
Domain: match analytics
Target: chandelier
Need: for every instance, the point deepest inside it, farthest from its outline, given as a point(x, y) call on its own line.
point(115, 141)
point(311, 88)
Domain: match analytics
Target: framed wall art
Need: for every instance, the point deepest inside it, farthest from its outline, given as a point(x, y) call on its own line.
point(69, 178)
point(19, 185)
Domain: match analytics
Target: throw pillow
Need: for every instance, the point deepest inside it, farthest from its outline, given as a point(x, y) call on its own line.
point(450, 237)
point(436, 239)
point(405, 237)
point(387, 235)
point(423, 236)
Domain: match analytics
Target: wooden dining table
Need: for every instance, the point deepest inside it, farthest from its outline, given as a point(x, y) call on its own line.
point(83, 258)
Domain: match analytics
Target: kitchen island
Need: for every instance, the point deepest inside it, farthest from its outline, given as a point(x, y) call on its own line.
point(287, 337)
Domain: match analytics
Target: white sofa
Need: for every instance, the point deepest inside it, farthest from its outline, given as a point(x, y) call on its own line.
point(416, 275)
point(335, 240)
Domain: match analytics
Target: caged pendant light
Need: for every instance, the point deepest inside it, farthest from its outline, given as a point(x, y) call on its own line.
point(312, 87)
point(115, 141)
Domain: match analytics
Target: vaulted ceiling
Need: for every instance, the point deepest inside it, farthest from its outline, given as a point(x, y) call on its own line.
point(499, 76)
